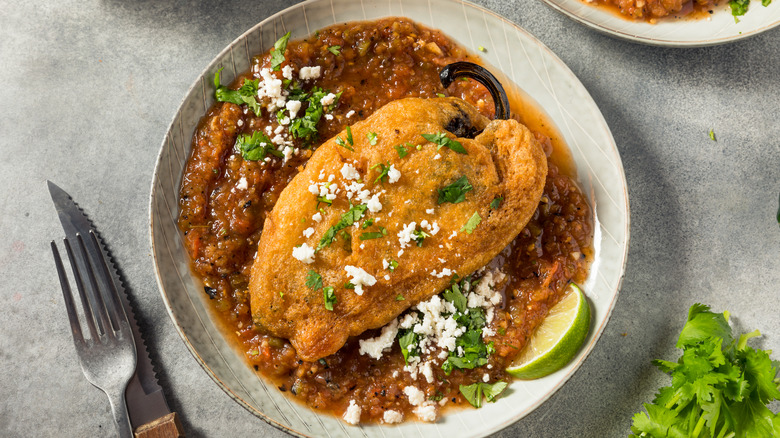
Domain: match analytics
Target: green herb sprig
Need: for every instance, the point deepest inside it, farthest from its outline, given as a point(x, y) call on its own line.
point(455, 192)
point(720, 386)
point(442, 140)
point(246, 95)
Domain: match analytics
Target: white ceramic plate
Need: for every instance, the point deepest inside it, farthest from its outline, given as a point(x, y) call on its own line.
point(522, 59)
point(720, 28)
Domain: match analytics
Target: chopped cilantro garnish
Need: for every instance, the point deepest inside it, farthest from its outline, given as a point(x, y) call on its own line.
point(336, 50)
point(277, 53)
point(340, 142)
point(371, 138)
point(313, 280)
point(455, 192)
point(305, 127)
point(394, 264)
point(367, 223)
point(281, 294)
point(349, 286)
point(440, 95)
point(437, 397)
point(712, 135)
point(419, 236)
point(384, 169)
point(496, 202)
point(456, 297)
point(472, 223)
point(347, 219)
point(719, 386)
point(255, 147)
point(766, 3)
point(323, 200)
point(442, 140)
point(402, 152)
point(501, 331)
point(482, 49)
point(371, 235)
point(329, 296)
point(399, 298)
point(408, 343)
point(246, 95)
point(474, 392)
point(349, 136)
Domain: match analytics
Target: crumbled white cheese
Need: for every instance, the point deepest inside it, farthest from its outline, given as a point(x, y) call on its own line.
point(385, 264)
point(287, 72)
point(437, 156)
point(304, 253)
point(352, 414)
point(405, 235)
point(390, 416)
point(359, 278)
point(328, 99)
point(375, 346)
point(387, 277)
point(242, 184)
point(445, 272)
point(270, 87)
point(240, 123)
point(328, 116)
point(426, 413)
point(393, 174)
point(427, 371)
point(307, 73)
point(486, 378)
point(288, 151)
point(373, 204)
point(293, 106)
point(429, 211)
point(348, 171)
point(308, 232)
point(350, 113)
point(395, 374)
point(415, 396)
point(317, 217)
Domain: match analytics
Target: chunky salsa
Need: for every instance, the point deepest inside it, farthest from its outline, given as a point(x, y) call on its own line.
point(253, 141)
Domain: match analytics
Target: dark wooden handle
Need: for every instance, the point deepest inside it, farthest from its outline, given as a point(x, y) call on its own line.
point(168, 426)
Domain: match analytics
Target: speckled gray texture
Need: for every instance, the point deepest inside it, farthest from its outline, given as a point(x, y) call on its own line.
point(89, 87)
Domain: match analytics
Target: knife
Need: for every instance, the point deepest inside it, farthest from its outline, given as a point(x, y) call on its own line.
point(149, 412)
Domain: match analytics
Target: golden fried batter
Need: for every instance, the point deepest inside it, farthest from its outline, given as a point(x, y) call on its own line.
point(503, 161)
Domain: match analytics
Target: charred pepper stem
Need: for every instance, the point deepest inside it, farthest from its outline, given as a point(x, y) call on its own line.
point(480, 74)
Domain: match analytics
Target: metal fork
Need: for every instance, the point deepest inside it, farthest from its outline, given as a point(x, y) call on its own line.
point(108, 357)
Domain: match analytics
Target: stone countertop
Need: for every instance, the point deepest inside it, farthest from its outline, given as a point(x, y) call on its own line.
point(88, 89)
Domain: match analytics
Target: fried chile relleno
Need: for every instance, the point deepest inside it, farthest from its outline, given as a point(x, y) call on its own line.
point(360, 204)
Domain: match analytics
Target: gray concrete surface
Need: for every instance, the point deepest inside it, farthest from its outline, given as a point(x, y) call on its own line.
point(87, 89)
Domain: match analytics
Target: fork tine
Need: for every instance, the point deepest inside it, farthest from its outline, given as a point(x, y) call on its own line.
point(99, 309)
point(85, 305)
point(116, 311)
point(67, 294)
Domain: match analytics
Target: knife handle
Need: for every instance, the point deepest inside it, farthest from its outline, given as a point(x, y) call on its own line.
point(168, 426)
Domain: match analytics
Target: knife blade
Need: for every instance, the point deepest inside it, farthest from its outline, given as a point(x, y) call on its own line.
point(149, 412)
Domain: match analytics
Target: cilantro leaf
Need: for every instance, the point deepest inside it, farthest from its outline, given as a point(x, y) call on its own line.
point(496, 202)
point(305, 128)
point(408, 343)
point(472, 223)
point(474, 392)
point(371, 235)
point(246, 95)
point(384, 170)
point(372, 138)
point(419, 236)
point(442, 140)
point(367, 223)
point(347, 219)
point(402, 152)
point(349, 136)
point(738, 7)
point(256, 146)
point(399, 298)
point(313, 280)
point(455, 192)
point(703, 325)
point(340, 142)
point(455, 296)
point(336, 50)
point(277, 53)
point(392, 265)
point(330, 297)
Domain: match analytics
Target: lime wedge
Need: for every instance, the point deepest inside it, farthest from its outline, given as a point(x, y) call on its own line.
point(557, 339)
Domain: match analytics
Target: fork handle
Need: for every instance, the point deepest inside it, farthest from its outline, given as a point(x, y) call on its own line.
point(168, 426)
point(121, 417)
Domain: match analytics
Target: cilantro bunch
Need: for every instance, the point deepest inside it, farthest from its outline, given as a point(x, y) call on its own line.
point(720, 386)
